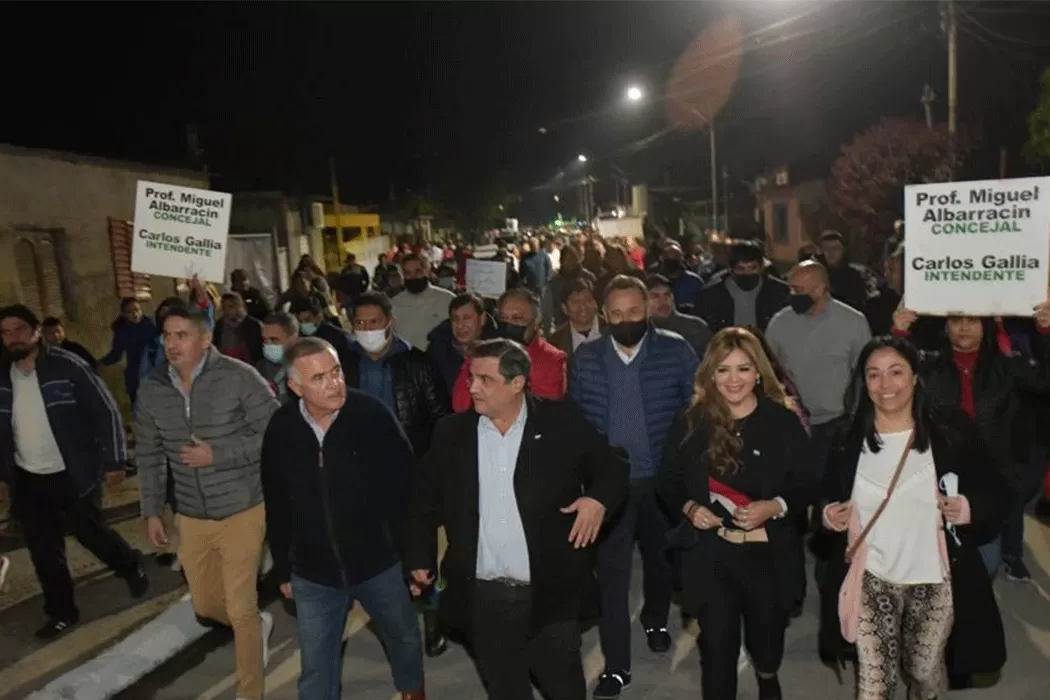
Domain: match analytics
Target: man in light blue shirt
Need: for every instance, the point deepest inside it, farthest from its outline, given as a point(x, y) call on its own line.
point(502, 551)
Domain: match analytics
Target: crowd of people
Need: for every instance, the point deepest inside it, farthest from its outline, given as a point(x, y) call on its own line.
point(722, 417)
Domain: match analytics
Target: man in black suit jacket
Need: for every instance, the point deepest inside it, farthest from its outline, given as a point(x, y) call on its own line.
point(522, 487)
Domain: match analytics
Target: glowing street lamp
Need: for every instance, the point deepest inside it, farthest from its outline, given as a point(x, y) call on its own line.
point(582, 158)
point(634, 94)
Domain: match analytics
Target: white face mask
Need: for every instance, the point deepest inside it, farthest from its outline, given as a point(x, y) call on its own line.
point(371, 341)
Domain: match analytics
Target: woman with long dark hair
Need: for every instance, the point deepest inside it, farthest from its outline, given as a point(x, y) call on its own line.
point(737, 461)
point(909, 493)
point(1000, 389)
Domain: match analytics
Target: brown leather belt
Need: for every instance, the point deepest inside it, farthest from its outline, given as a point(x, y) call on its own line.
point(743, 536)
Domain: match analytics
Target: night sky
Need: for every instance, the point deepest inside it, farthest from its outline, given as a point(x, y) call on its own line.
point(450, 96)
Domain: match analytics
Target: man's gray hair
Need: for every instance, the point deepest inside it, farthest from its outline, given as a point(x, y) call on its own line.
point(513, 357)
point(524, 294)
point(305, 347)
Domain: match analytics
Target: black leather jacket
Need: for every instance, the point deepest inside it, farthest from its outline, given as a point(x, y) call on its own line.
point(420, 396)
point(1002, 384)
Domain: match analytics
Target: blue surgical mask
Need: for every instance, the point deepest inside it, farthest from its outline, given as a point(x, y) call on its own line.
point(274, 353)
point(308, 328)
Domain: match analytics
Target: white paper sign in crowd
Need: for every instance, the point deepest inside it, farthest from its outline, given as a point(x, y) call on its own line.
point(486, 278)
point(180, 231)
point(977, 248)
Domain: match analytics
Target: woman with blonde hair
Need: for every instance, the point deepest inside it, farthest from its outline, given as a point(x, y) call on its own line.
point(737, 461)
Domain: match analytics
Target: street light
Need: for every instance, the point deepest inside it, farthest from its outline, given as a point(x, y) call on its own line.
point(634, 94)
point(582, 158)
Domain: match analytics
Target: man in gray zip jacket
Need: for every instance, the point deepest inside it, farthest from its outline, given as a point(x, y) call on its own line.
point(205, 415)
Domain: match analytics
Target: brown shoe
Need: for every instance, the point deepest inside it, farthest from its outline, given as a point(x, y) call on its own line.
point(414, 695)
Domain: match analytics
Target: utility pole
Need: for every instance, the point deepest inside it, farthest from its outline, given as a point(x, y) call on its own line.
point(927, 100)
point(714, 177)
point(335, 204)
point(725, 198)
point(953, 73)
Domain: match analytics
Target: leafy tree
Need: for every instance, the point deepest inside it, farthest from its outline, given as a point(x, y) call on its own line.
point(866, 189)
point(1037, 150)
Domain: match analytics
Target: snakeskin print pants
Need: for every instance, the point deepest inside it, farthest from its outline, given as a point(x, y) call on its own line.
point(903, 626)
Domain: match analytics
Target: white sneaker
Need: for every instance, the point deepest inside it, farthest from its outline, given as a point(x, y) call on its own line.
point(5, 566)
point(267, 630)
point(266, 566)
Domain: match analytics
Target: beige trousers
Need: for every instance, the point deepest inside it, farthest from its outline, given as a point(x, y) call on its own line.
point(221, 561)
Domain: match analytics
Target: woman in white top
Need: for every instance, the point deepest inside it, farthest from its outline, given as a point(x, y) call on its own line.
point(911, 493)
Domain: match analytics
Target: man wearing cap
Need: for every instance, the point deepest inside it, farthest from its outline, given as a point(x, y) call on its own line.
point(664, 315)
point(748, 296)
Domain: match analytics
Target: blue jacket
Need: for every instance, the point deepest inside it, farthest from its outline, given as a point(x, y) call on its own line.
point(132, 339)
point(667, 382)
point(83, 415)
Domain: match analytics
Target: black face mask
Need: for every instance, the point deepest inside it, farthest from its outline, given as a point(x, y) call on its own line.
point(513, 332)
point(672, 267)
point(746, 282)
point(801, 303)
point(416, 285)
point(628, 333)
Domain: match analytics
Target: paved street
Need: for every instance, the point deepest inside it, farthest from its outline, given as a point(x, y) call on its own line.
point(204, 671)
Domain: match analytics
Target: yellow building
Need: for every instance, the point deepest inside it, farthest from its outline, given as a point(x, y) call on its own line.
point(361, 236)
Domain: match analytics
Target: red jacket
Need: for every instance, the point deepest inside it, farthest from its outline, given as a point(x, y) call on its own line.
point(548, 379)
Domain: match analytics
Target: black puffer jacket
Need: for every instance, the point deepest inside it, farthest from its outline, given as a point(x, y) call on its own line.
point(1000, 383)
point(420, 396)
point(715, 304)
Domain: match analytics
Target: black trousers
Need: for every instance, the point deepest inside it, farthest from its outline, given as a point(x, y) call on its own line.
point(507, 650)
point(743, 588)
point(643, 520)
point(47, 505)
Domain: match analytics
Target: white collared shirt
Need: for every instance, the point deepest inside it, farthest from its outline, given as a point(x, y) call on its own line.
point(502, 549)
point(579, 339)
point(314, 425)
point(628, 359)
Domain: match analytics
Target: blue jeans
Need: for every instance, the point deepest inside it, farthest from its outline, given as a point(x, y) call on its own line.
point(992, 555)
point(321, 618)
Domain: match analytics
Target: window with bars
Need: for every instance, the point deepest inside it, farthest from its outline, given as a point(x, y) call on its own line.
point(129, 284)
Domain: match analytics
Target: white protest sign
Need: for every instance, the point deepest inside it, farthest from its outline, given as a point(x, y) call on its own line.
point(977, 248)
point(180, 231)
point(486, 278)
point(625, 227)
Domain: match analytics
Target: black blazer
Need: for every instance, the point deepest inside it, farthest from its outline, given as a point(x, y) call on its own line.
point(786, 469)
point(977, 644)
point(561, 458)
